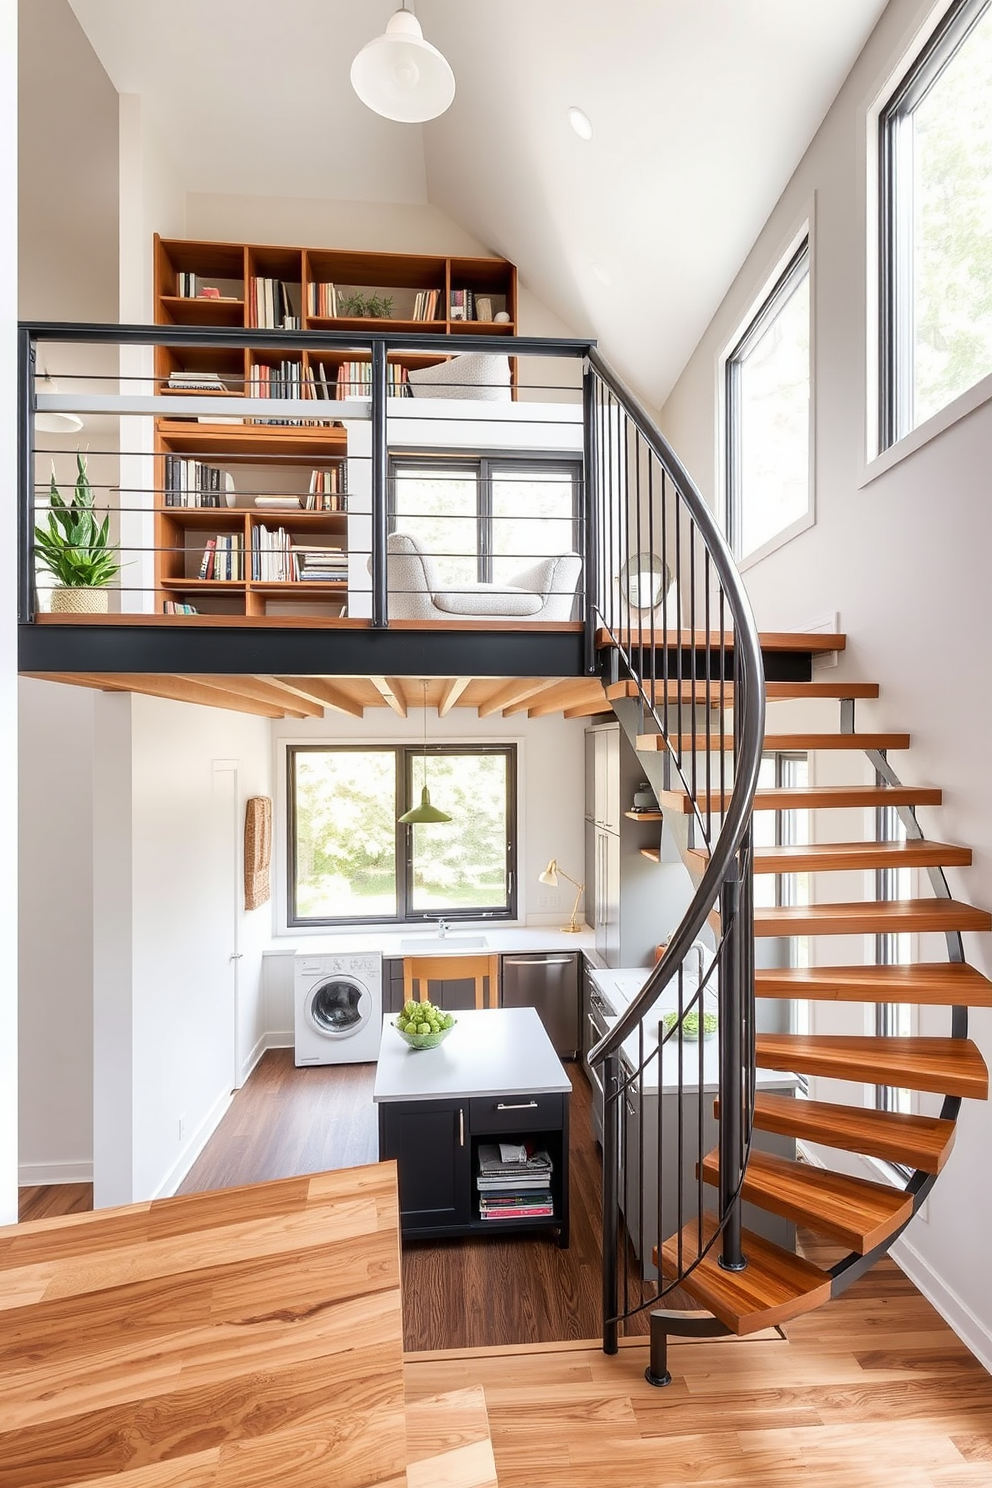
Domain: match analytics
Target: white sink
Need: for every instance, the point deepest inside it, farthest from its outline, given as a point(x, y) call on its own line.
point(434, 943)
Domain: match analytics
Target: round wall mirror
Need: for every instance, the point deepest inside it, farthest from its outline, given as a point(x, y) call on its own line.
point(644, 581)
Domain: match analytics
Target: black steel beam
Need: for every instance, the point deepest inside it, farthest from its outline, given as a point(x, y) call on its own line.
point(344, 653)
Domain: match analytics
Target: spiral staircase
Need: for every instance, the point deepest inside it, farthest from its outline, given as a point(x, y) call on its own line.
point(694, 691)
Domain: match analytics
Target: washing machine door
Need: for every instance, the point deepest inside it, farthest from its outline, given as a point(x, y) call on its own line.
point(338, 1006)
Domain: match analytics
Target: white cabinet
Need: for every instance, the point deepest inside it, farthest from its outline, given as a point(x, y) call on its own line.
point(621, 886)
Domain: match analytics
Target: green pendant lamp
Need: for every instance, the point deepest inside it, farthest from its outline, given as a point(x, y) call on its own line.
point(425, 812)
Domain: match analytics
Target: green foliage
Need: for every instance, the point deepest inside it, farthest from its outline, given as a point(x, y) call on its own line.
point(73, 544)
point(359, 304)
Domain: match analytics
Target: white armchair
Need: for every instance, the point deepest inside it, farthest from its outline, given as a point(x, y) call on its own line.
point(543, 591)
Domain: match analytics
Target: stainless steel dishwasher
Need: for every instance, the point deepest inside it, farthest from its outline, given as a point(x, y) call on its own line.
point(548, 981)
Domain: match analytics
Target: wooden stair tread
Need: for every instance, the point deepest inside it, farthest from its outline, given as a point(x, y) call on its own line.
point(922, 1142)
point(709, 692)
point(855, 1212)
point(448, 1441)
point(792, 798)
point(774, 1286)
point(717, 742)
point(890, 916)
point(816, 643)
point(941, 1065)
point(826, 857)
point(931, 984)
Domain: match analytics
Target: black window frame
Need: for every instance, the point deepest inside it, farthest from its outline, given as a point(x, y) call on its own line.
point(404, 756)
point(483, 465)
point(896, 342)
point(799, 265)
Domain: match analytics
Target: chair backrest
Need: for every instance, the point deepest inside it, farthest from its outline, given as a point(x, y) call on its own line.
point(419, 970)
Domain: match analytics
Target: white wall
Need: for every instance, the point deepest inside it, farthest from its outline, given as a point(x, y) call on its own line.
point(903, 558)
point(169, 1041)
point(56, 932)
point(8, 630)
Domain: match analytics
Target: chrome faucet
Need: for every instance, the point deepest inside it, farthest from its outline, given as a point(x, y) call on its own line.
point(442, 926)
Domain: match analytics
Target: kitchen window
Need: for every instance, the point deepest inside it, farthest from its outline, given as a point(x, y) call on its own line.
point(935, 196)
point(352, 861)
point(485, 519)
point(767, 416)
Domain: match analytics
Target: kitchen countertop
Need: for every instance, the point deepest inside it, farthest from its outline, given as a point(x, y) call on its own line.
point(493, 1051)
point(500, 940)
point(618, 988)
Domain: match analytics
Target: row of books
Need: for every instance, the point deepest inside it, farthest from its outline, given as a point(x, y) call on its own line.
point(269, 305)
point(465, 304)
point(284, 381)
point(328, 489)
point(513, 1181)
point(425, 304)
point(277, 559)
point(174, 607)
point(223, 557)
point(322, 299)
point(355, 380)
point(194, 483)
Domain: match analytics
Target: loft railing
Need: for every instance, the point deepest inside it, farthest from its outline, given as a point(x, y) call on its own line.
point(686, 664)
point(117, 379)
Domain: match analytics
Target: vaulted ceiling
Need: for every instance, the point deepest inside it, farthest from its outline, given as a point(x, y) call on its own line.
point(701, 110)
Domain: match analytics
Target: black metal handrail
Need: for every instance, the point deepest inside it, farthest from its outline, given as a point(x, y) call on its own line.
point(642, 499)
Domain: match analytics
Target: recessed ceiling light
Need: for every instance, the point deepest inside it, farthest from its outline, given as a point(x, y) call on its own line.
point(602, 273)
point(580, 123)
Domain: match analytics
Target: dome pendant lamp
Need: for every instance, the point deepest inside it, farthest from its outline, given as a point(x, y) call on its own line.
point(401, 76)
point(425, 812)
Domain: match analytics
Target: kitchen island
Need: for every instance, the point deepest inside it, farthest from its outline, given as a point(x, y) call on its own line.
point(496, 1078)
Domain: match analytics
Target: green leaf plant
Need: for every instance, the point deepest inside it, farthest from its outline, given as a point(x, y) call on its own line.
point(73, 544)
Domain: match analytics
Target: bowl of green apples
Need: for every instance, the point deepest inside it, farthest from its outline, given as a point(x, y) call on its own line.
point(690, 1024)
point(422, 1025)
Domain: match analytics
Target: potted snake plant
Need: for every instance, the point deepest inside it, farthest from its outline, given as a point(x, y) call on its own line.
point(73, 545)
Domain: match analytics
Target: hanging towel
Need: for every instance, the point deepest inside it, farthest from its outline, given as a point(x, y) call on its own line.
point(258, 850)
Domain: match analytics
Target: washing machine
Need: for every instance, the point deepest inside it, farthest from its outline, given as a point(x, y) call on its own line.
point(338, 1003)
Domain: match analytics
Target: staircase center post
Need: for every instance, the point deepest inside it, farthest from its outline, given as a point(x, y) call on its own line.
point(731, 1032)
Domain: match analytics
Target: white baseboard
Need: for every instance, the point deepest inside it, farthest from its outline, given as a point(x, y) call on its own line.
point(33, 1175)
point(957, 1314)
point(193, 1147)
point(249, 1064)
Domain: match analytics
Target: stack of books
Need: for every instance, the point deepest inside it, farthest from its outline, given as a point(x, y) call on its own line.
point(514, 1182)
point(320, 565)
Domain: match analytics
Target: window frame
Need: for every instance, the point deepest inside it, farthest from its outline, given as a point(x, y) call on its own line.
point(797, 264)
point(482, 465)
point(404, 756)
point(896, 363)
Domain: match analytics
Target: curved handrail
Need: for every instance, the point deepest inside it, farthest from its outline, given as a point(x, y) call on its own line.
point(751, 716)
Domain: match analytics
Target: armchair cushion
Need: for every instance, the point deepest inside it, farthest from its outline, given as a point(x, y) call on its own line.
point(545, 590)
point(489, 599)
point(480, 375)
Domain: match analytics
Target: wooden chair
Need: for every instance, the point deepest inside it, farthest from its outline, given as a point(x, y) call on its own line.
point(418, 970)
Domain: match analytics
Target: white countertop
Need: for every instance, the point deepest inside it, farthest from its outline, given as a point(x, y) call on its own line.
point(492, 1051)
point(618, 988)
point(500, 939)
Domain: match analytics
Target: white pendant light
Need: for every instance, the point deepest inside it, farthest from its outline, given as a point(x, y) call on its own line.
point(50, 422)
point(401, 76)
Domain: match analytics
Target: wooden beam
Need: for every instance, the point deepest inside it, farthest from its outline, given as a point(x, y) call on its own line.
point(554, 687)
point(183, 690)
point(450, 694)
point(323, 692)
point(390, 689)
point(588, 710)
point(589, 691)
point(511, 692)
point(262, 691)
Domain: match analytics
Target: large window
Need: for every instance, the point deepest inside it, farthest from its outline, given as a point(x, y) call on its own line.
point(767, 402)
point(484, 520)
point(935, 140)
point(351, 859)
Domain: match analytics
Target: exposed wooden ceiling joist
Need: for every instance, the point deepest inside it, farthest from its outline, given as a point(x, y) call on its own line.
point(506, 693)
point(319, 690)
point(555, 687)
point(263, 691)
point(588, 692)
point(450, 694)
point(390, 689)
point(187, 690)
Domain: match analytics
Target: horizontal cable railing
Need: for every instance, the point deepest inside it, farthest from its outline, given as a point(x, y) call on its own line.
point(687, 679)
point(253, 473)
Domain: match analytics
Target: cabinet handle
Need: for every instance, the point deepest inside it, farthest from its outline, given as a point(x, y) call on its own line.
point(539, 961)
point(520, 1106)
point(461, 1127)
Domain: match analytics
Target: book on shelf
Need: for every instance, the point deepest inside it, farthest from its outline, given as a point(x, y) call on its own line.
point(223, 557)
point(328, 489)
point(283, 381)
point(176, 607)
point(190, 482)
point(270, 305)
point(320, 564)
point(462, 305)
point(207, 561)
point(425, 304)
point(538, 1210)
point(354, 380)
point(322, 301)
point(511, 1185)
point(197, 382)
point(512, 1159)
point(279, 503)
